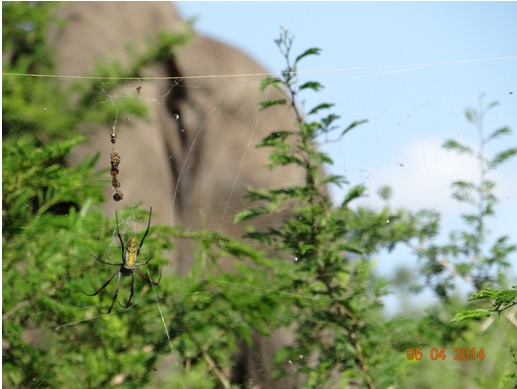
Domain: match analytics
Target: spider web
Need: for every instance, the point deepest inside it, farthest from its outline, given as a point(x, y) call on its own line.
point(403, 162)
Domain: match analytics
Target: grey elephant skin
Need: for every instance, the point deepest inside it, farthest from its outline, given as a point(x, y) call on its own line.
point(198, 152)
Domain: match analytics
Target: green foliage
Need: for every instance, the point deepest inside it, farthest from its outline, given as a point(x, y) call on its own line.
point(468, 256)
point(509, 379)
point(35, 181)
point(334, 294)
point(341, 338)
point(52, 223)
point(45, 278)
point(502, 300)
point(26, 107)
point(24, 36)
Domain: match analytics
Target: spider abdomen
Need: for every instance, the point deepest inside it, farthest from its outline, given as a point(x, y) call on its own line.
point(131, 251)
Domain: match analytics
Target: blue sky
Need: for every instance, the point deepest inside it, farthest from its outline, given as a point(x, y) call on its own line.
point(367, 50)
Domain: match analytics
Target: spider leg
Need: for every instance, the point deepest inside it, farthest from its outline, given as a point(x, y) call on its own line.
point(106, 262)
point(132, 290)
point(146, 232)
point(148, 259)
point(116, 294)
point(147, 279)
point(105, 284)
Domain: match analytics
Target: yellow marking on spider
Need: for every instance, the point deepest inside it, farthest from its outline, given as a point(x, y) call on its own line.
point(131, 252)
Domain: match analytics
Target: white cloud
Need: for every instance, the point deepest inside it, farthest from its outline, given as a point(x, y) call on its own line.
point(422, 175)
point(420, 172)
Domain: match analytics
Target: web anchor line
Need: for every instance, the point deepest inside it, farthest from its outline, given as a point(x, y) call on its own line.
point(403, 67)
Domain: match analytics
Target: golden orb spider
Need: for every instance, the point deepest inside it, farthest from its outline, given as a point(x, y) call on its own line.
point(128, 265)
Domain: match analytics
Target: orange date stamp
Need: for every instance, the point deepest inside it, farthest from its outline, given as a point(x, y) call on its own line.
point(460, 354)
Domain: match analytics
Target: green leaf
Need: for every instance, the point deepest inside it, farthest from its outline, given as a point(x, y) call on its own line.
point(498, 133)
point(268, 103)
point(275, 138)
point(273, 81)
point(334, 179)
point(353, 125)
point(472, 314)
point(471, 115)
point(314, 85)
point(320, 157)
point(488, 293)
point(502, 157)
point(493, 104)
point(385, 192)
point(320, 107)
point(353, 248)
point(326, 126)
point(354, 193)
point(464, 185)
point(451, 144)
point(311, 51)
point(280, 158)
point(249, 214)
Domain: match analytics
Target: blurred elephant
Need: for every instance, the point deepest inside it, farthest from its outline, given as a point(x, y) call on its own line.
point(193, 161)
